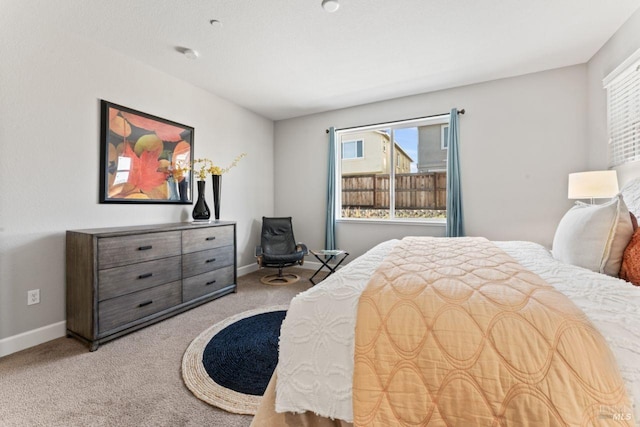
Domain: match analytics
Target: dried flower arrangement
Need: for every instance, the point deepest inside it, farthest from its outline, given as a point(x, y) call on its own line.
point(203, 167)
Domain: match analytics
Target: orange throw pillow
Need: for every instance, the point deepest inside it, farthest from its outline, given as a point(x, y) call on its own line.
point(630, 269)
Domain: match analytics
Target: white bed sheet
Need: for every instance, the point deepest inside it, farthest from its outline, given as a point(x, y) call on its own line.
point(315, 368)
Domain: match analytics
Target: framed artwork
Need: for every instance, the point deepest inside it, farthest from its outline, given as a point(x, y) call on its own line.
point(144, 158)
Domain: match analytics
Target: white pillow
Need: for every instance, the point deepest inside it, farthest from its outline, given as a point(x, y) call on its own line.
point(594, 236)
point(631, 195)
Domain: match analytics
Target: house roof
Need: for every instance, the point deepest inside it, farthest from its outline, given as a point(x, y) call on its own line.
point(287, 58)
point(395, 144)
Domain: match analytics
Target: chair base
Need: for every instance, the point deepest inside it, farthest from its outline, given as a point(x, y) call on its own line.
point(280, 279)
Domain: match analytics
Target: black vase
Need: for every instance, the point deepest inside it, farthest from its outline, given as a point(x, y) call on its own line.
point(183, 190)
point(217, 182)
point(201, 210)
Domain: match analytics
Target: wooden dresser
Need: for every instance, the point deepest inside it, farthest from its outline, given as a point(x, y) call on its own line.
point(125, 278)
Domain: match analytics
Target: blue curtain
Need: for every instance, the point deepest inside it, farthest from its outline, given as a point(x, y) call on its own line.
point(330, 236)
point(455, 227)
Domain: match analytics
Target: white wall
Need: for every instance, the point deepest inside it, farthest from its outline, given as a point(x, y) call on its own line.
point(50, 86)
point(618, 48)
point(520, 137)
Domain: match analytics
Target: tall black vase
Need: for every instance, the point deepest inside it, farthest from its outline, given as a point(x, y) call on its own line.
point(201, 210)
point(217, 182)
point(183, 190)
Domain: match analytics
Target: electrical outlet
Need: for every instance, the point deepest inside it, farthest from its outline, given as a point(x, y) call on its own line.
point(33, 297)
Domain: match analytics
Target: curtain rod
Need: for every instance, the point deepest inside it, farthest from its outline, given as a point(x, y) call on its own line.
point(406, 120)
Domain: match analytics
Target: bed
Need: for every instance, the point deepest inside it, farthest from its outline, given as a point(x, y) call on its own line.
point(314, 382)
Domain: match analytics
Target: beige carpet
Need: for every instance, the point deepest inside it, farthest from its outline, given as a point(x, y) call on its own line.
point(132, 381)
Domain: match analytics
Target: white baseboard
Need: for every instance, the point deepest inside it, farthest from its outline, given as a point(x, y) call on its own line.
point(244, 270)
point(310, 265)
point(32, 338)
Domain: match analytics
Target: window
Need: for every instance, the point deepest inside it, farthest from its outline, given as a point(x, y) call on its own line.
point(352, 149)
point(623, 111)
point(406, 178)
point(444, 137)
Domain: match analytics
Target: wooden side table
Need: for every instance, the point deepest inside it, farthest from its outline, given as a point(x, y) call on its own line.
point(325, 256)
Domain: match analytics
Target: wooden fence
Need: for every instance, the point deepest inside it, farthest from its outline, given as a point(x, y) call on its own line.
point(412, 190)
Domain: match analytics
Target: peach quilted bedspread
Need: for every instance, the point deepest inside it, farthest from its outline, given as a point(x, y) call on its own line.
point(456, 332)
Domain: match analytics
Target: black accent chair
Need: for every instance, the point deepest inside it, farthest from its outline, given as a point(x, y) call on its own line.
point(278, 249)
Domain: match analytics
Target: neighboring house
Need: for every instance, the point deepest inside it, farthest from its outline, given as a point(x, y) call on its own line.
point(368, 152)
point(432, 147)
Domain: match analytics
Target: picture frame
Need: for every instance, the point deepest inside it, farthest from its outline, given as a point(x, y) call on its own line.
point(144, 158)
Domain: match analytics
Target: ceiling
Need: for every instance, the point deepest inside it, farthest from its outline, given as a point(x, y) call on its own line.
point(287, 58)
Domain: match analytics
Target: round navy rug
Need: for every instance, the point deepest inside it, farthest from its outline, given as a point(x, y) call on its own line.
point(243, 356)
point(230, 364)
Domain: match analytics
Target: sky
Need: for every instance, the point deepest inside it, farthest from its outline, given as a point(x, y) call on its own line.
point(407, 138)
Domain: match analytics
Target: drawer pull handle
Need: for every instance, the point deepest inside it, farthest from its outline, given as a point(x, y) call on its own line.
point(145, 248)
point(211, 260)
point(210, 283)
point(144, 276)
point(211, 238)
point(145, 303)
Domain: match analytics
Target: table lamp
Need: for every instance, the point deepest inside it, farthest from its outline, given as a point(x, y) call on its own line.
point(593, 185)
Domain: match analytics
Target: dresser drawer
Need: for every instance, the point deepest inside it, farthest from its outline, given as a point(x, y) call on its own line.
point(206, 283)
point(127, 308)
point(124, 250)
point(203, 261)
point(206, 238)
point(117, 281)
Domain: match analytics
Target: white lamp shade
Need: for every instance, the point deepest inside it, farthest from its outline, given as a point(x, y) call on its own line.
point(593, 185)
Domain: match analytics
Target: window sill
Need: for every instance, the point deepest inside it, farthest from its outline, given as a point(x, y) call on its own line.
point(398, 221)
